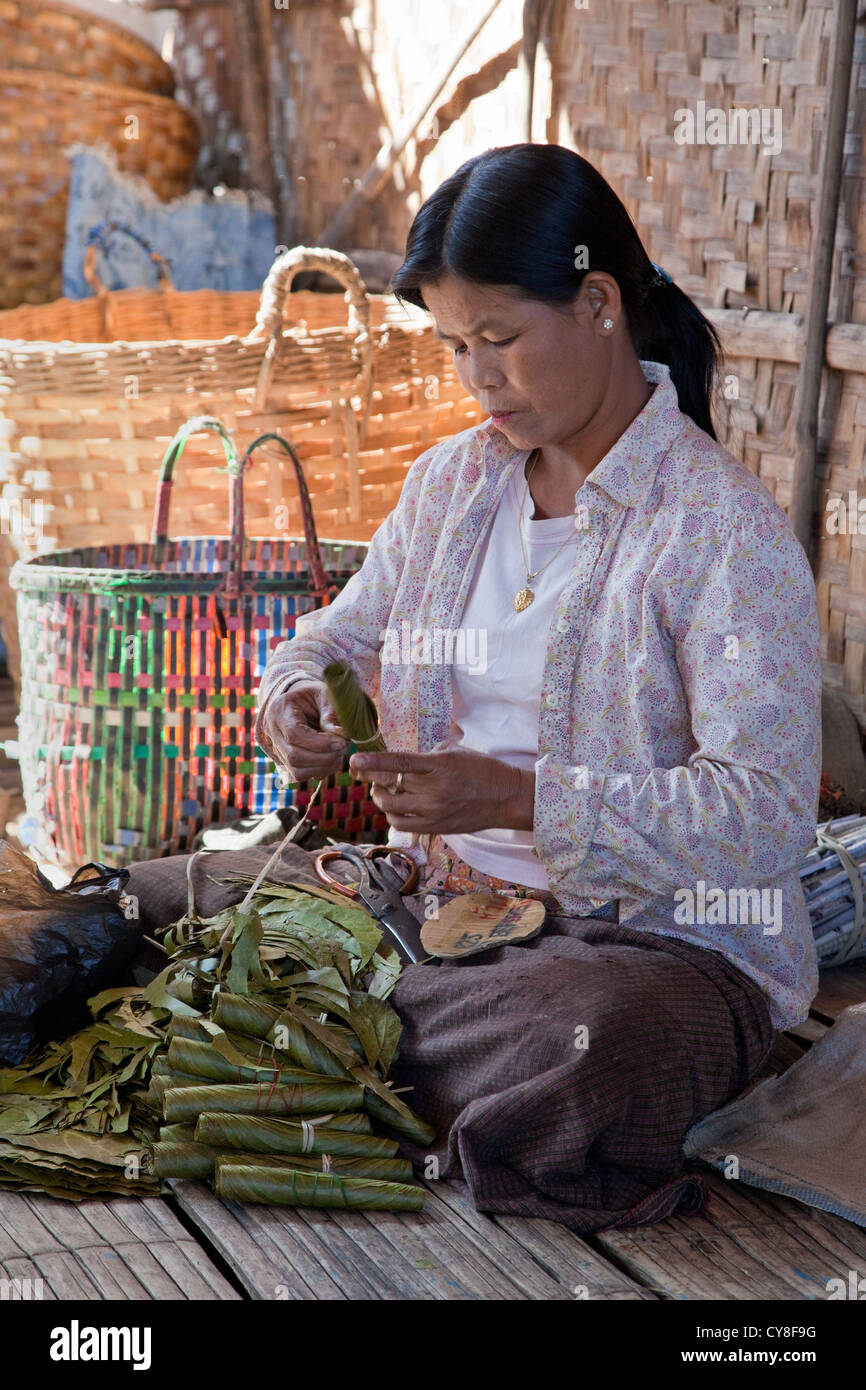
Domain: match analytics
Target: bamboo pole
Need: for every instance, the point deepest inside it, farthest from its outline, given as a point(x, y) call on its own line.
point(774, 337)
point(379, 171)
point(528, 50)
point(253, 70)
point(804, 481)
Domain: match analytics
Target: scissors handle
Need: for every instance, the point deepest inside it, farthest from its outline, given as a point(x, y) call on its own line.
point(328, 856)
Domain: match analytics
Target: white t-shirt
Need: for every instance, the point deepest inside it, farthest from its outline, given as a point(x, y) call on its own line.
point(495, 710)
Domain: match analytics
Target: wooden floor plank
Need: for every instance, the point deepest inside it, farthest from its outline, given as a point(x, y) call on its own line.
point(319, 1234)
point(112, 1277)
point(121, 1248)
point(495, 1243)
point(65, 1275)
point(429, 1236)
point(362, 1243)
point(193, 1273)
point(746, 1244)
point(433, 1272)
point(786, 1051)
point(431, 1251)
point(23, 1270)
point(840, 987)
point(263, 1268)
point(811, 1030)
point(542, 1258)
point(583, 1272)
point(429, 1255)
point(21, 1231)
point(365, 1230)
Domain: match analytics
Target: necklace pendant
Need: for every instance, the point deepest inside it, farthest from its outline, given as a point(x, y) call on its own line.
point(522, 599)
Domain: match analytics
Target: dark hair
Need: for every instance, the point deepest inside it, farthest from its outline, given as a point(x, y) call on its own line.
point(514, 216)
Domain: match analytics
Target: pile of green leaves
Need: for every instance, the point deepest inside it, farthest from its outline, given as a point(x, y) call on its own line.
point(299, 948)
point(317, 975)
point(77, 1118)
point(73, 1117)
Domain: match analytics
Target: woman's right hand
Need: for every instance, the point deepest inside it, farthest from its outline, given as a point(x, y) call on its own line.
point(305, 732)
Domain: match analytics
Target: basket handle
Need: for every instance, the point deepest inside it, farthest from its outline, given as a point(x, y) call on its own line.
point(321, 583)
point(269, 320)
point(98, 238)
point(159, 537)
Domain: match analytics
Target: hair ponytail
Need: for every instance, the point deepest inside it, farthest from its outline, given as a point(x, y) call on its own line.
point(516, 214)
point(672, 329)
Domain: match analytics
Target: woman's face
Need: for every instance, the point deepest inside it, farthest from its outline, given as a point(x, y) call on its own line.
point(548, 366)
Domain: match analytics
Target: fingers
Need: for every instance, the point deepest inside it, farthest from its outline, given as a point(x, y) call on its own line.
point(307, 750)
point(299, 735)
point(313, 771)
point(375, 767)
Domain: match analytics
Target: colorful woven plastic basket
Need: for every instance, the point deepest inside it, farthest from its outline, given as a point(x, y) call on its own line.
point(140, 665)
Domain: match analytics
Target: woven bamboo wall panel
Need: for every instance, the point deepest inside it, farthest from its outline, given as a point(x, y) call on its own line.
point(730, 222)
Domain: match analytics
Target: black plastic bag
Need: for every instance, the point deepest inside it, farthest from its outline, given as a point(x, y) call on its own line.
point(58, 947)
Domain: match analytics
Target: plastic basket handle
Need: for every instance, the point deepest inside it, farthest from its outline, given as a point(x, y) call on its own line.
point(269, 320)
point(321, 582)
point(198, 425)
point(98, 238)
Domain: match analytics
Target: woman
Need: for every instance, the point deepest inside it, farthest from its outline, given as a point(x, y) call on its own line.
point(640, 747)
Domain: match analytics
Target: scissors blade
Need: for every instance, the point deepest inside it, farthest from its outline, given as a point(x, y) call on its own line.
point(405, 932)
point(403, 928)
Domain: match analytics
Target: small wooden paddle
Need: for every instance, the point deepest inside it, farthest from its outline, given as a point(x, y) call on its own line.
point(473, 922)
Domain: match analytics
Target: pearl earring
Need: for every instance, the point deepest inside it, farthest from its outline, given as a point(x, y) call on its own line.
point(608, 323)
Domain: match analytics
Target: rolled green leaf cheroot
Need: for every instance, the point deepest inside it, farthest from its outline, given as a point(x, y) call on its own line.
point(166, 1080)
point(288, 1187)
point(260, 1134)
point(182, 1104)
point(183, 1158)
point(258, 1020)
point(318, 1048)
point(382, 1169)
point(355, 710)
point(203, 1059)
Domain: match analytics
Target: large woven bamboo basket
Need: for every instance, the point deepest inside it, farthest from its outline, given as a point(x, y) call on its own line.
point(151, 135)
point(359, 396)
point(74, 43)
point(140, 672)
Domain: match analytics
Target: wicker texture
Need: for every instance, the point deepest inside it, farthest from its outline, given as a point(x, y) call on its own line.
point(151, 135)
point(82, 425)
point(729, 223)
point(60, 39)
point(140, 665)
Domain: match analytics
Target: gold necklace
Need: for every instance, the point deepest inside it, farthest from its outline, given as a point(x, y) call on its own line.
point(524, 597)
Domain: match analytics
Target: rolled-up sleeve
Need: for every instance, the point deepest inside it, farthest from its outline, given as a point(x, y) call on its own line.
point(349, 629)
point(744, 634)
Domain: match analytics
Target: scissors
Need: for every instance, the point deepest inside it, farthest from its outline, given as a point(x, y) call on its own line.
point(381, 889)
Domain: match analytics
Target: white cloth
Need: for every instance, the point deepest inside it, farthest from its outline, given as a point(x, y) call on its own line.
point(496, 703)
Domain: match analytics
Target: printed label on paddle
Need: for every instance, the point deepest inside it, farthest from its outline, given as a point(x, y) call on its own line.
point(475, 922)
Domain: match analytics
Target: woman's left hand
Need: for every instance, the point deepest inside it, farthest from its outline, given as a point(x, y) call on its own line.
point(452, 790)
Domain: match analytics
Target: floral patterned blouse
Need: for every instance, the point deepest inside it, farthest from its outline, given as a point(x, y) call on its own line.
point(679, 727)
